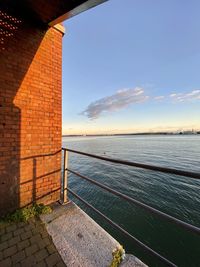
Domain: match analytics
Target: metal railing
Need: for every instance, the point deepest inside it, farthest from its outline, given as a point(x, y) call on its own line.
point(144, 206)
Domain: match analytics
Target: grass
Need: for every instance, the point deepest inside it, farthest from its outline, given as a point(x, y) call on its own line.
point(24, 214)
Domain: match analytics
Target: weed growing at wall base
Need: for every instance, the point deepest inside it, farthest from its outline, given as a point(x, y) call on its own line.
point(24, 214)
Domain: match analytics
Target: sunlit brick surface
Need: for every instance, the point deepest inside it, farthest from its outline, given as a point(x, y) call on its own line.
point(30, 113)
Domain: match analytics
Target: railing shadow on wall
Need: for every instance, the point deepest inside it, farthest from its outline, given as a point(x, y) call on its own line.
point(32, 189)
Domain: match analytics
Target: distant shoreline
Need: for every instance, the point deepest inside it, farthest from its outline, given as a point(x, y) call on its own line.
point(130, 134)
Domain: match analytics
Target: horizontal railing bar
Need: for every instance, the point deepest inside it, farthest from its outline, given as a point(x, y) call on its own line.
point(150, 209)
point(138, 242)
point(140, 165)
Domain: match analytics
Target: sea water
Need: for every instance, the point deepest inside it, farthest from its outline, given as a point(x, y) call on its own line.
point(175, 195)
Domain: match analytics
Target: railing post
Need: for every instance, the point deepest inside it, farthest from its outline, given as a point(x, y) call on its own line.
point(64, 180)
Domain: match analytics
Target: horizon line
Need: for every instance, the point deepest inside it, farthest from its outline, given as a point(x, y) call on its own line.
point(139, 133)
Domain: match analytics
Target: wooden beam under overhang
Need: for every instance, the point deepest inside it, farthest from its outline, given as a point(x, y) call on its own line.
point(85, 5)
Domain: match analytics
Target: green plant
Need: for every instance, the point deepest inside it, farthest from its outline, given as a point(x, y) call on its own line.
point(118, 255)
point(24, 214)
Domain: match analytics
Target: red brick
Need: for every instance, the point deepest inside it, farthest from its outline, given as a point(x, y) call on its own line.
point(30, 116)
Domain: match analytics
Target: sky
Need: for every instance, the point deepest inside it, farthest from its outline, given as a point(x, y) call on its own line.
point(132, 66)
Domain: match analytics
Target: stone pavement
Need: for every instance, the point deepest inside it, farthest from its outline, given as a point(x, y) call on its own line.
point(27, 244)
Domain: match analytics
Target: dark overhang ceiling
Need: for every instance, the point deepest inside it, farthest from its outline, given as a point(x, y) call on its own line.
point(48, 12)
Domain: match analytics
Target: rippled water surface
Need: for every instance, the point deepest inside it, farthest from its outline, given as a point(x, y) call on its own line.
point(175, 195)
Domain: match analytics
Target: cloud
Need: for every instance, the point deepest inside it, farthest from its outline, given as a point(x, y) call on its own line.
point(119, 100)
point(186, 97)
point(159, 97)
point(173, 95)
point(126, 97)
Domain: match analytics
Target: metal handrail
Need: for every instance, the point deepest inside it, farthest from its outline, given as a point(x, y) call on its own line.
point(138, 242)
point(139, 165)
point(150, 209)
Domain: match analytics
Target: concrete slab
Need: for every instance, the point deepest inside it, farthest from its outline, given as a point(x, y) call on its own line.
point(80, 241)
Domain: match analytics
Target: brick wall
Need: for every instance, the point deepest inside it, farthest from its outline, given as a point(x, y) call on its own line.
point(30, 114)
